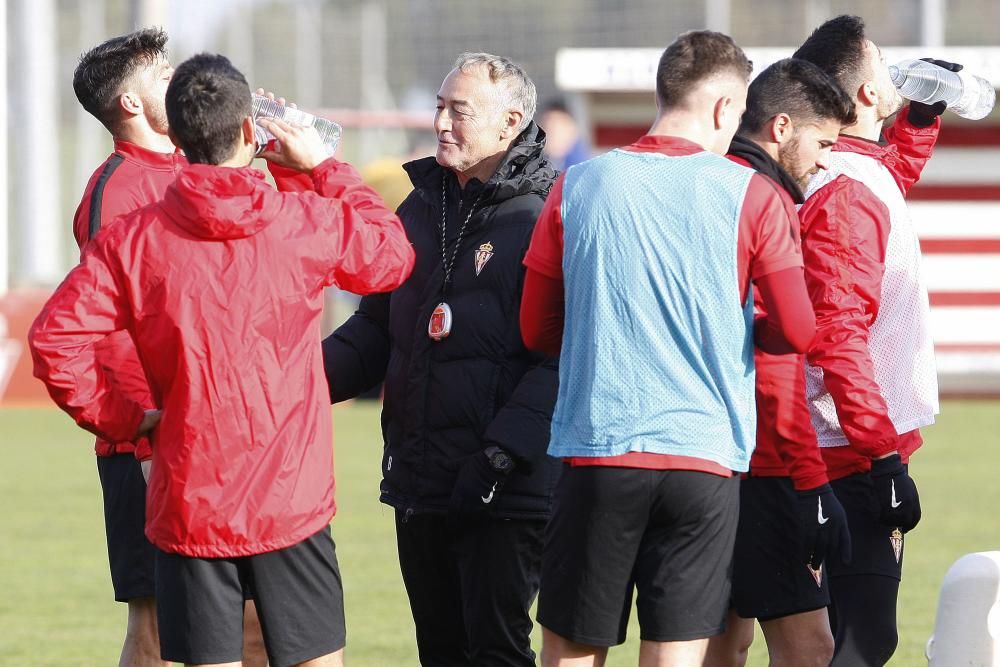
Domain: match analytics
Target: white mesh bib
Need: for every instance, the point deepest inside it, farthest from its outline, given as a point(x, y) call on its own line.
point(899, 342)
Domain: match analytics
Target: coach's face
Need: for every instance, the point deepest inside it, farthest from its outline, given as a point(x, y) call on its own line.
point(473, 126)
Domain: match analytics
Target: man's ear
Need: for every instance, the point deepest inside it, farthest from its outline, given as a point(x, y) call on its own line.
point(781, 128)
point(130, 103)
point(512, 121)
point(723, 107)
point(867, 94)
point(249, 136)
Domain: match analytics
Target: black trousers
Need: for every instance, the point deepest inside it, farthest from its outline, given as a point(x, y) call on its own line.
point(470, 587)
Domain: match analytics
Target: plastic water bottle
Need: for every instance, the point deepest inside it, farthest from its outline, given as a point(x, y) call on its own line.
point(968, 95)
point(263, 107)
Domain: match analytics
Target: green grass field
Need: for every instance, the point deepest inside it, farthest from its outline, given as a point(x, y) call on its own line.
point(56, 605)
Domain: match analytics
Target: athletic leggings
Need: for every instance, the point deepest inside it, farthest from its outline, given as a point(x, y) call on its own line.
point(863, 619)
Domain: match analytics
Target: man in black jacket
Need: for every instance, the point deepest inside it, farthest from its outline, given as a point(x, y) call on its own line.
point(467, 407)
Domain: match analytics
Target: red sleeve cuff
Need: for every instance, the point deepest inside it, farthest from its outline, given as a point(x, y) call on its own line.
point(143, 449)
point(329, 164)
point(775, 264)
point(125, 430)
point(810, 481)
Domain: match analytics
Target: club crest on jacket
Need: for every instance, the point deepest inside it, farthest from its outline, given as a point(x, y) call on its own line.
point(483, 255)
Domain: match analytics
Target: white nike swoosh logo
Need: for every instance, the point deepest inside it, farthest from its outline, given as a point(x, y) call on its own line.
point(489, 498)
point(893, 500)
point(819, 512)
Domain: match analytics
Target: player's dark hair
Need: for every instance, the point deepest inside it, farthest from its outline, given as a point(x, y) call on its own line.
point(104, 71)
point(207, 100)
point(798, 88)
point(838, 48)
point(693, 57)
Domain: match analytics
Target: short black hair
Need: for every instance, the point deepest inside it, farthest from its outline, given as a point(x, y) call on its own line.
point(207, 100)
point(800, 89)
point(838, 48)
point(694, 56)
point(102, 72)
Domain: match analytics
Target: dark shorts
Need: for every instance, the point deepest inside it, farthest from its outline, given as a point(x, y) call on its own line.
point(131, 556)
point(874, 544)
point(299, 596)
point(666, 534)
point(770, 577)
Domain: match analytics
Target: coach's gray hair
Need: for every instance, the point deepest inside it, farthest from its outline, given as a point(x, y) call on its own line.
point(518, 87)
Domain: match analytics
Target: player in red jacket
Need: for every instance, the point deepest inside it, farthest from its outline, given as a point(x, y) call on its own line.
point(220, 287)
point(122, 82)
point(790, 520)
point(870, 378)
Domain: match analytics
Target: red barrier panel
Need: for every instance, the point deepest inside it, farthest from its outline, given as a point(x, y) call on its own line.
point(18, 309)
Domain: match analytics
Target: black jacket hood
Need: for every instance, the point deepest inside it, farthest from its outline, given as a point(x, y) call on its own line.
point(767, 165)
point(523, 170)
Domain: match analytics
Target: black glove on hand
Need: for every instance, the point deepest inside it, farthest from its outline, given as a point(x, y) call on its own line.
point(923, 115)
point(476, 488)
point(823, 523)
point(899, 503)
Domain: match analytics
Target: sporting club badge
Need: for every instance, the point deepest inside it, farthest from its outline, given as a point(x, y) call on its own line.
point(483, 255)
point(896, 539)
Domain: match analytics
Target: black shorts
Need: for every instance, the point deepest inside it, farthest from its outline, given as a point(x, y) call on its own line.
point(130, 554)
point(770, 576)
point(667, 534)
point(299, 596)
point(875, 547)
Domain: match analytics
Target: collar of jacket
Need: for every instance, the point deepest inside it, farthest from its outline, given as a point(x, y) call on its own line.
point(524, 170)
point(149, 158)
point(886, 153)
point(219, 203)
point(765, 164)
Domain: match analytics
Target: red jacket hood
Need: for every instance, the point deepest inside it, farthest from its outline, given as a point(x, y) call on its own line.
point(887, 154)
point(219, 202)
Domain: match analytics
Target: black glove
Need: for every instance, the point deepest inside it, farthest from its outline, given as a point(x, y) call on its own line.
point(823, 523)
point(477, 488)
point(923, 115)
point(898, 501)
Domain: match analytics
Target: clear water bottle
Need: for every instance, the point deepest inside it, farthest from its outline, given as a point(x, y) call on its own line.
point(262, 107)
point(967, 95)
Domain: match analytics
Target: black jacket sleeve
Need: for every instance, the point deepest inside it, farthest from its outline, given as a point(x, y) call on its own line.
point(356, 355)
point(522, 426)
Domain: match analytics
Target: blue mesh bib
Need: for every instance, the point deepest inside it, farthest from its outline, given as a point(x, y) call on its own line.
point(657, 349)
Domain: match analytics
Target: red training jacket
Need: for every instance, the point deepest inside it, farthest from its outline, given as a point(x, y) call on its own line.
point(220, 285)
point(129, 179)
point(845, 230)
